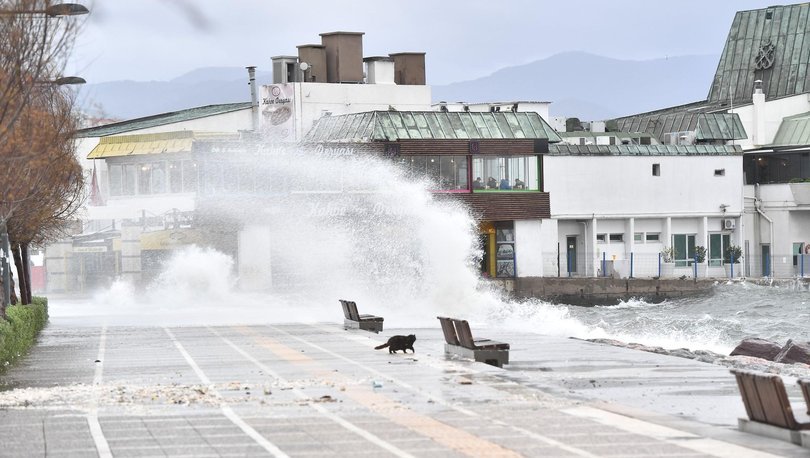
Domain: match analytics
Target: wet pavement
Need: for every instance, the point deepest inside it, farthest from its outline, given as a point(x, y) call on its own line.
point(319, 390)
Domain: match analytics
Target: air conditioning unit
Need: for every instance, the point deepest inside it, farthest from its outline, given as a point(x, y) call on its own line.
point(729, 224)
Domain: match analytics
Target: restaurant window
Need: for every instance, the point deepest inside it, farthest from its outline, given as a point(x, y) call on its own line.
point(158, 178)
point(116, 173)
point(130, 172)
point(144, 178)
point(510, 173)
point(189, 176)
point(446, 173)
point(176, 176)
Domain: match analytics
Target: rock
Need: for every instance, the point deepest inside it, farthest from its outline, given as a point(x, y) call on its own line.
point(794, 352)
point(758, 348)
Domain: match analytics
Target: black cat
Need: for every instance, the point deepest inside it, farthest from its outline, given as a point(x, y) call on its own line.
point(396, 343)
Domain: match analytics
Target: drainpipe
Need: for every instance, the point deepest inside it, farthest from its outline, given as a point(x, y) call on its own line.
point(254, 97)
point(757, 204)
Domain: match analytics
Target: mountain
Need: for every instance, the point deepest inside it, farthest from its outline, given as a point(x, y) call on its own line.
point(203, 86)
point(578, 84)
point(592, 87)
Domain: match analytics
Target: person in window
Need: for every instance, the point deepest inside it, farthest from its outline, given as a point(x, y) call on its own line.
point(505, 184)
point(519, 184)
point(492, 183)
point(478, 184)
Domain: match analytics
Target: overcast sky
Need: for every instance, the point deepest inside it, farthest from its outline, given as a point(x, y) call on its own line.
point(147, 40)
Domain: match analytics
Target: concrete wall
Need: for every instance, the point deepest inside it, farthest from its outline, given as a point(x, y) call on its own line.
point(529, 248)
point(313, 100)
point(581, 186)
point(598, 291)
point(775, 110)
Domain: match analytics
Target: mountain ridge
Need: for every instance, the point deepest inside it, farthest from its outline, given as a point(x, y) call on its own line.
point(577, 83)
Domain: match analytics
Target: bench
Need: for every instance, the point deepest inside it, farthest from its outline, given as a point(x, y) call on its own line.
point(459, 341)
point(768, 407)
point(354, 320)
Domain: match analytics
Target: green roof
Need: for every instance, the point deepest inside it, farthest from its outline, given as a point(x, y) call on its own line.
point(406, 125)
point(161, 119)
point(745, 57)
point(589, 134)
point(707, 126)
point(562, 149)
point(794, 130)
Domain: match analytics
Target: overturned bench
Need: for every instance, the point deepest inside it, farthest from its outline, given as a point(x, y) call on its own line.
point(354, 320)
point(459, 341)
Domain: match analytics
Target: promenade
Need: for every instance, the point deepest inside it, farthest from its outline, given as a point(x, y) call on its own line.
point(318, 390)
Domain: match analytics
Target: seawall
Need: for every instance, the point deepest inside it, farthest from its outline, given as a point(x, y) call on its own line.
point(604, 291)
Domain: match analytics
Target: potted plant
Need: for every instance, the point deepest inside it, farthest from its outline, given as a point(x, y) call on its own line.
point(667, 262)
point(733, 255)
point(700, 257)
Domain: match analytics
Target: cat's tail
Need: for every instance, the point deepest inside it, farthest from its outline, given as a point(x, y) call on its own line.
point(378, 347)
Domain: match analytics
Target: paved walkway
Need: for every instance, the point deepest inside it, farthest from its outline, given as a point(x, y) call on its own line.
point(317, 390)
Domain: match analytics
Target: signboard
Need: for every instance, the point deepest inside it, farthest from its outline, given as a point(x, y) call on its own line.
point(90, 249)
point(277, 112)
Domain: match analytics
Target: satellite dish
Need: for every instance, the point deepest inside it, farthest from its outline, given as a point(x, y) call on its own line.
point(303, 66)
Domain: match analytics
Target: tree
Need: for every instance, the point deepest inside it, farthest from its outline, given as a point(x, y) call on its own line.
point(45, 187)
point(33, 51)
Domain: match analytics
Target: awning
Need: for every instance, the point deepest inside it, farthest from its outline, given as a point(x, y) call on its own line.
point(167, 142)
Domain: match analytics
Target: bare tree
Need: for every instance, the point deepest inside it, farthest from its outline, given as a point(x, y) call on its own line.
point(34, 45)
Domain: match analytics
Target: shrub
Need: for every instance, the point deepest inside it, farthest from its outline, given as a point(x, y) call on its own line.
point(733, 251)
point(668, 254)
point(20, 331)
point(700, 253)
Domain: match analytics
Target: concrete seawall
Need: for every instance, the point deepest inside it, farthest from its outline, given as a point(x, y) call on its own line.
point(604, 291)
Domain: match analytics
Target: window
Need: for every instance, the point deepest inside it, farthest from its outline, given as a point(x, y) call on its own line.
point(176, 176)
point(600, 238)
point(506, 173)
point(189, 176)
point(158, 178)
point(684, 245)
point(656, 170)
point(616, 237)
point(638, 237)
point(653, 236)
point(798, 249)
point(144, 178)
point(448, 173)
point(718, 243)
point(719, 172)
point(130, 171)
point(642, 237)
point(116, 176)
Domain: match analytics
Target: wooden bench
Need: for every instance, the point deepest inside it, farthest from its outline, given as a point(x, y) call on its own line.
point(805, 386)
point(354, 320)
point(459, 341)
point(768, 407)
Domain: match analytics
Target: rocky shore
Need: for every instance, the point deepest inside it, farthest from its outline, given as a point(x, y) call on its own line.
point(738, 361)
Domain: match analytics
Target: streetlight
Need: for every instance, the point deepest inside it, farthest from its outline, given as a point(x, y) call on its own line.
point(60, 9)
point(4, 259)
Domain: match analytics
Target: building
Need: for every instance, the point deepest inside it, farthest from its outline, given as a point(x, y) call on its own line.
point(762, 79)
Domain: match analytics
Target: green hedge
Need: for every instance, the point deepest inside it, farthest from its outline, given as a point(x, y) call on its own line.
point(20, 331)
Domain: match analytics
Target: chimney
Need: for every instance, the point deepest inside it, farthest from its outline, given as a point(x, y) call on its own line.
point(379, 70)
point(254, 98)
point(315, 58)
point(758, 136)
point(409, 68)
point(285, 69)
point(344, 56)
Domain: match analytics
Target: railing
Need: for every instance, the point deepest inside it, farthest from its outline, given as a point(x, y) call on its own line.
point(653, 265)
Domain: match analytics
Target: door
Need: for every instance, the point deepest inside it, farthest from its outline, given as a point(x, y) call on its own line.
point(571, 253)
point(766, 260)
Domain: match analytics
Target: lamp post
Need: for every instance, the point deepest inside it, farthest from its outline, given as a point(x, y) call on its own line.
point(60, 9)
point(5, 265)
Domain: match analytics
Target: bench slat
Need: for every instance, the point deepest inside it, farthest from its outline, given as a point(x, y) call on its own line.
point(805, 385)
point(449, 330)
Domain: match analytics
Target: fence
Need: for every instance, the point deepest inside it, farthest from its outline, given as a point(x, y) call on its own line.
point(653, 265)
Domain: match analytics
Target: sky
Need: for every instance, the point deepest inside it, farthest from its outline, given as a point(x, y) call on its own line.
point(157, 40)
